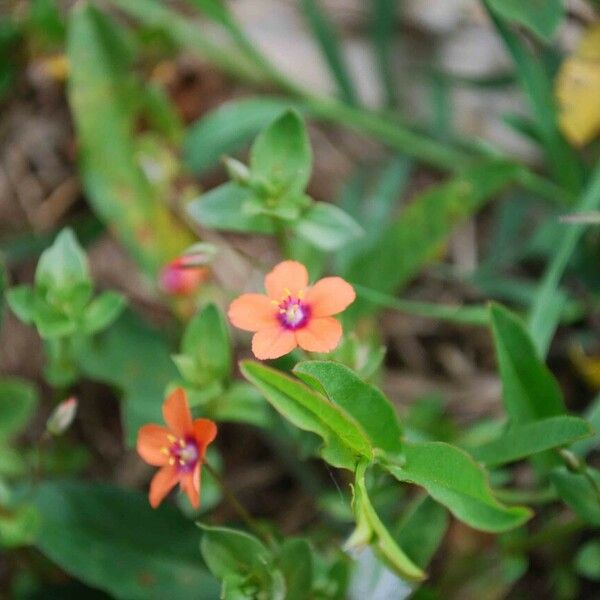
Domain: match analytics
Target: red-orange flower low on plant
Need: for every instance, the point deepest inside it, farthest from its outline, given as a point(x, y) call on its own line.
point(292, 313)
point(182, 277)
point(178, 449)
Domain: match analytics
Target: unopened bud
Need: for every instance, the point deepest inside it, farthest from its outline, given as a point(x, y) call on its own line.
point(181, 277)
point(199, 255)
point(236, 170)
point(62, 417)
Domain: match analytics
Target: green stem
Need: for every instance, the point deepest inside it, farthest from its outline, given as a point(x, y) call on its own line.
point(238, 506)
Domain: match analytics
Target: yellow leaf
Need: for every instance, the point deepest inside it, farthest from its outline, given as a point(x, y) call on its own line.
point(578, 90)
point(588, 366)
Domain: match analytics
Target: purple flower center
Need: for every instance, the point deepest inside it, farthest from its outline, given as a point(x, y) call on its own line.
point(293, 313)
point(184, 454)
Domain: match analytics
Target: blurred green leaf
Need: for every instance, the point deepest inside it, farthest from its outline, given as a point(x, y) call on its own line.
point(19, 525)
point(21, 300)
point(370, 530)
point(344, 438)
point(455, 480)
point(330, 44)
point(592, 415)
point(281, 155)
point(364, 402)
point(63, 267)
point(422, 530)
point(225, 208)
point(226, 129)
point(296, 564)
point(579, 493)
point(144, 553)
point(18, 401)
point(206, 340)
point(422, 229)
point(521, 441)
point(529, 390)
point(103, 101)
point(327, 227)
point(102, 311)
point(587, 560)
point(136, 359)
point(241, 403)
point(540, 16)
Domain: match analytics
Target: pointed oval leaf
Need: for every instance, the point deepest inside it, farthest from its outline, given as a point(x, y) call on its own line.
point(455, 480)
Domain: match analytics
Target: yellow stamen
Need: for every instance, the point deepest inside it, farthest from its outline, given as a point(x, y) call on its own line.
point(181, 444)
point(171, 461)
point(171, 438)
point(165, 450)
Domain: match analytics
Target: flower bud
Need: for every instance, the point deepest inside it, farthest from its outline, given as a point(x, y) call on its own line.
point(62, 417)
point(182, 276)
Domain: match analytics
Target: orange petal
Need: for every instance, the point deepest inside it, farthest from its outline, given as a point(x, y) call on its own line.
point(177, 413)
point(252, 312)
point(162, 483)
point(272, 343)
point(151, 442)
point(320, 335)
point(190, 484)
point(329, 296)
point(287, 277)
point(205, 431)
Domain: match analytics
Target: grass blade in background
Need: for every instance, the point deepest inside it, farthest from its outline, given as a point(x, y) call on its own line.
point(544, 316)
point(331, 48)
point(562, 159)
point(422, 229)
point(382, 35)
point(540, 16)
point(226, 129)
point(102, 98)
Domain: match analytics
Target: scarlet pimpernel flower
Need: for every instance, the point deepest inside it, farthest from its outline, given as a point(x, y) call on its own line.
point(292, 313)
point(178, 449)
point(182, 276)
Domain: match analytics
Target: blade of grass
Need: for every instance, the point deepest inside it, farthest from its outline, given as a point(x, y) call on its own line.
point(544, 318)
point(464, 315)
point(382, 29)
point(561, 158)
point(329, 42)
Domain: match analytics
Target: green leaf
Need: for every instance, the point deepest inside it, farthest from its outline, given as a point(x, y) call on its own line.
point(327, 227)
point(136, 359)
point(529, 391)
point(206, 340)
point(102, 311)
point(225, 207)
point(587, 560)
point(226, 130)
point(521, 441)
point(241, 403)
point(578, 492)
point(544, 317)
point(62, 267)
point(540, 16)
point(104, 102)
point(422, 229)
point(331, 48)
point(51, 323)
point(281, 155)
point(228, 551)
point(296, 563)
point(592, 415)
point(363, 401)
point(345, 440)
point(370, 530)
point(21, 300)
point(18, 401)
point(422, 530)
point(12, 462)
point(455, 480)
point(19, 525)
point(144, 553)
point(383, 34)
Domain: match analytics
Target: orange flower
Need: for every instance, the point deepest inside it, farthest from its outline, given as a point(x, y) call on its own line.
point(182, 277)
point(179, 449)
point(292, 313)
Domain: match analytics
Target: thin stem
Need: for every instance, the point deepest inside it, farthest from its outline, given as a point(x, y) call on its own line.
point(237, 505)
